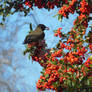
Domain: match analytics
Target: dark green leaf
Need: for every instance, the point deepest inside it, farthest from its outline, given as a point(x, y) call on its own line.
point(60, 18)
point(31, 27)
point(47, 75)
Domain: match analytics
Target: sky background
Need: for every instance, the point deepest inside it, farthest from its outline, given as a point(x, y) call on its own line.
point(17, 72)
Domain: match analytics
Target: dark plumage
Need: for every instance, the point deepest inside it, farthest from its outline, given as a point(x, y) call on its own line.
point(36, 35)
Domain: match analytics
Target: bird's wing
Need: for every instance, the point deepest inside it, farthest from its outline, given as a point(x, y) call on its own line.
point(36, 36)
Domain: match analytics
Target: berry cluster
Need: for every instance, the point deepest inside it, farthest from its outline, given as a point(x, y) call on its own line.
point(48, 4)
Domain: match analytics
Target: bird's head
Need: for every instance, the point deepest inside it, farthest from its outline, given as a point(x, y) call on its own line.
point(43, 27)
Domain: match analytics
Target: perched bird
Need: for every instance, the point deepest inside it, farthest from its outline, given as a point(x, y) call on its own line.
point(36, 35)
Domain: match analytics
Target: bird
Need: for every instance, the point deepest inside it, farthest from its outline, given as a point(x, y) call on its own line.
point(36, 35)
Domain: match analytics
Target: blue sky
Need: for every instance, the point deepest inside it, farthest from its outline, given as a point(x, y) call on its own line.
point(27, 71)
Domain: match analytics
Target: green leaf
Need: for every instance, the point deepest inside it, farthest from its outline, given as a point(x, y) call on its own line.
point(59, 70)
point(69, 82)
point(43, 71)
point(31, 26)
point(1, 24)
point(61, 61)
point(84, 79)
point(56, 83)
point(42, 80)
point(55, 31)
point(29, 57)
point(55, 15)
point(54, 62)
point(47, 75)
point(60, 18)
point(42, 61)
point(26, 50)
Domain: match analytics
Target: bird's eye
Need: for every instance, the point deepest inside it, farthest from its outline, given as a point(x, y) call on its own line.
point(42, 27)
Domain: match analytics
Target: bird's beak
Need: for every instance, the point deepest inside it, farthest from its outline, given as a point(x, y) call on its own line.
point(46, 28)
